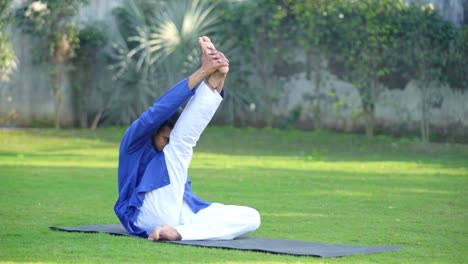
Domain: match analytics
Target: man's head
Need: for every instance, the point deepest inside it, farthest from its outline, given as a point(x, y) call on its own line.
point(161, 136)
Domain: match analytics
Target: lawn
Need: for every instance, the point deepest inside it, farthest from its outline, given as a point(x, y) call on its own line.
point(312, 186)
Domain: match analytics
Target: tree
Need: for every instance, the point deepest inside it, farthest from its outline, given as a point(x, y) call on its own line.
point(89, 72)
point(7, 54)
point(426, 46)
point(457, 70)
point(158, 46)
point(368, 37)
point(52, 23)
point(317, 21)
point(263, 32)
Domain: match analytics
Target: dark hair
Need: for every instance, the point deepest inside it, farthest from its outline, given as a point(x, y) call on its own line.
point(171, 121)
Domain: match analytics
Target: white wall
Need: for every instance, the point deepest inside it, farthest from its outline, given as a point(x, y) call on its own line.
point(28, 98)
point(452, 10)
point(395, 109)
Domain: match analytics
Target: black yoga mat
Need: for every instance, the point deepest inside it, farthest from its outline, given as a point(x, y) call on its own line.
point(271, 245)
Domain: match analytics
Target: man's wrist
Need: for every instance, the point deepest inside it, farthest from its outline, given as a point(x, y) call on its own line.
point(196, 78)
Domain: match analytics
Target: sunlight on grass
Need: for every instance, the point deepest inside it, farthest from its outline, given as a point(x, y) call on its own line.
point(206, 160)
point(294, 214)
point(340, 193)
point(41, 150)
point(69, 159)
point(268, 262)
point(52, 164)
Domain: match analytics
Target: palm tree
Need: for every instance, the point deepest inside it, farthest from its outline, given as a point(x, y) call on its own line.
point(156, 48)
point(8, 59)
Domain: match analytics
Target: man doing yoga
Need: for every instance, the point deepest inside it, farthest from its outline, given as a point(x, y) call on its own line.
point(155, 198)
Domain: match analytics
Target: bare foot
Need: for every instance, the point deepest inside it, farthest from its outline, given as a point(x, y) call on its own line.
point(216, 80)
point(165, 232)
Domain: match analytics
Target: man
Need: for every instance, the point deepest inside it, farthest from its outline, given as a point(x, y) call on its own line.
point(155, 197)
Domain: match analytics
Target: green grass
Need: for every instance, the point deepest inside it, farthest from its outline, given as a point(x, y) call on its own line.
point(313, 186)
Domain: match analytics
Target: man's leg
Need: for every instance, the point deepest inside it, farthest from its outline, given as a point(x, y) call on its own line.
point(218, 222)
point(163, 205)
point(191, 123)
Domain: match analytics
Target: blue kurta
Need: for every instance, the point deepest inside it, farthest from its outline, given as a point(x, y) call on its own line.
point(141, 167)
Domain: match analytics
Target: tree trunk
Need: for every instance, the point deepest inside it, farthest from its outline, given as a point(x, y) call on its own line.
point(57, 91)
point(97, 118)
point(368, 110)
point(269, 114)
point(369, 115)
point(308, 64)
point(231, 111)
point(57, 111)
point(318, 82)
point(83, 115)
point(264, 82)
point(424, 115)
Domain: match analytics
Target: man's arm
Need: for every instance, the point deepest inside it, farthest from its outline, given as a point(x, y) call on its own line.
point(167, 104)
point(155, 116)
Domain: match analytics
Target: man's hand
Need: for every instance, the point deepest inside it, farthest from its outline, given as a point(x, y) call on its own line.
point(211, 61)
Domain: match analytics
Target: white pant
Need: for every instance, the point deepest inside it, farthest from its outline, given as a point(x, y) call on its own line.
point(217, 222)
point(166, 206)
